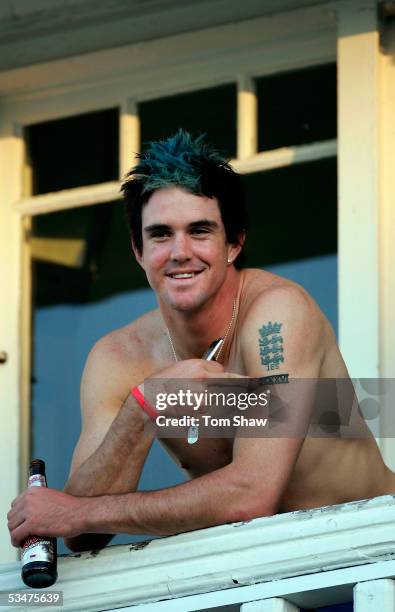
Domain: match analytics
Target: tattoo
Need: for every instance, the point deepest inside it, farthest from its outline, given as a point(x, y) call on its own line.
point(271, 345)
point(274, 379)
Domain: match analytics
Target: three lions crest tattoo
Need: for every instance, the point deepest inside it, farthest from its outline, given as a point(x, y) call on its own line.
point(271, 345)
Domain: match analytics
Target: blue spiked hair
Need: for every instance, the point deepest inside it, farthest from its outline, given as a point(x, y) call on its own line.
point(193, 165)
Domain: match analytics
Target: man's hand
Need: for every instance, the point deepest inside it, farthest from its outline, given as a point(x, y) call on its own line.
point(192, 368)
point(193, 376)
point(45, 512)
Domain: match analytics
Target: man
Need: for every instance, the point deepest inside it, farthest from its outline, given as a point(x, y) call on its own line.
point(186, 212)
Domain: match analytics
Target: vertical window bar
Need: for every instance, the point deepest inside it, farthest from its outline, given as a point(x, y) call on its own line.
point(26, 323)
point(247, 118)
point(129, 136)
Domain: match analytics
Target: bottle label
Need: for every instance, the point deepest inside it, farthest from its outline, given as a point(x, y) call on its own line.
point(37, 549)
point(37, 480)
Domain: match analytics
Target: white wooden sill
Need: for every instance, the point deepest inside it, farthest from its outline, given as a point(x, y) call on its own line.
point(311, 557)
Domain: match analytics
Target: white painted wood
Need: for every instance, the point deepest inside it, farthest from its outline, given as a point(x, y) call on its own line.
point(24, 446)
point(69, 198)
point(359, 194)
point(70, 28)
point(109, 192)
point(374, 596)
point(308, 557)
point(25, 324)
point(247, 118)
point(387, 241)
point(310, 591)
point(276, 604)
point(148, 70)
point(129, 136)
point(278, 158)
point(11, 170)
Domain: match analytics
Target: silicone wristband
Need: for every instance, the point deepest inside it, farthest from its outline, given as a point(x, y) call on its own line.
point(146, 406)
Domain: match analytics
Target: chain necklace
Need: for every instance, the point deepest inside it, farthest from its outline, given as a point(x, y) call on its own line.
point(230, 325)
point(193, 430)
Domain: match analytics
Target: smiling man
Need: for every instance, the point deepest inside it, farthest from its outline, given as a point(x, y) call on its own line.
point(187, 220)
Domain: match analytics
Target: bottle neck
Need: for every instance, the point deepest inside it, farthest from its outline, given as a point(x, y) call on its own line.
point(37, 466)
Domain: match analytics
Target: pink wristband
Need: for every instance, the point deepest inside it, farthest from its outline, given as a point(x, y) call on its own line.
point(146, 406)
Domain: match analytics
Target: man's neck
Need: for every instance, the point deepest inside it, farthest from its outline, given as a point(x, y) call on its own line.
point(193, 332)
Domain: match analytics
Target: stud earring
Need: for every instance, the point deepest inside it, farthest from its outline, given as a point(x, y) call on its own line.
point(230, 260)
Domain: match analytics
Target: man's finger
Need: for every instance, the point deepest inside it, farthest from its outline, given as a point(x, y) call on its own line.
point(15, 520)
point(19, 534)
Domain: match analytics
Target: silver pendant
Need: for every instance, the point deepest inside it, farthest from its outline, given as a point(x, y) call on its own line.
point(193, 434)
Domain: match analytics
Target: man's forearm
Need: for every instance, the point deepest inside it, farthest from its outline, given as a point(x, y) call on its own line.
point(192, 505)
point(115, 467)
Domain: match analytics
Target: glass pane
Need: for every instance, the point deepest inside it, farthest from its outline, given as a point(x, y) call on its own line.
point(210, 111)
point(343, 607)
point(292, 213)
point(83, 255)
point(293, 228)
point(86, 284)
point(76, 151)
point(297, 107)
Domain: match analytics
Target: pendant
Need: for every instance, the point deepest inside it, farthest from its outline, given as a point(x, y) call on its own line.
point(193, 434)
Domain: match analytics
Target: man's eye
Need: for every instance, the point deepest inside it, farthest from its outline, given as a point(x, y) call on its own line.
point(200, 230)
point(161, 234)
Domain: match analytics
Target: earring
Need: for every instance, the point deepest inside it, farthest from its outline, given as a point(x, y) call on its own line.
point(230, 260)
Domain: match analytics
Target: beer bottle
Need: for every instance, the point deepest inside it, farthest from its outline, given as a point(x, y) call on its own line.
point(38, 553)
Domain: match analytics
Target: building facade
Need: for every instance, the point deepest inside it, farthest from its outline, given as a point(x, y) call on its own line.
point(83, 84)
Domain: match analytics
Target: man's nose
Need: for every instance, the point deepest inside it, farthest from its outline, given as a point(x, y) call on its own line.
point(181, 250)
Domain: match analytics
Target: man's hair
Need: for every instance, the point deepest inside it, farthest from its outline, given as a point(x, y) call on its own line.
point(189, 163)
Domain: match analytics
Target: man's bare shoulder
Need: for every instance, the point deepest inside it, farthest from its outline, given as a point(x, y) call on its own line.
point(132, 341)
point(268, 291)
point(273, 300)
point(124, 357)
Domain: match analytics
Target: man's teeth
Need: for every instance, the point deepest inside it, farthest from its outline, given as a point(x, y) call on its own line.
point(184, 275)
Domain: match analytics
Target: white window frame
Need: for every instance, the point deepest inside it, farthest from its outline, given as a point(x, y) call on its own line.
point(123, 77)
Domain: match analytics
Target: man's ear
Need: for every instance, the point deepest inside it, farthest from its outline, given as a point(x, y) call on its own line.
point(234, 249)
point(138, 254)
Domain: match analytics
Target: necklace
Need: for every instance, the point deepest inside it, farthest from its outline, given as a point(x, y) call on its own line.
point(193, 430)
point(230, 325)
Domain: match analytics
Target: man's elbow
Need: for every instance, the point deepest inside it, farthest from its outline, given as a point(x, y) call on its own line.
point(249, 509)
point(87, 541)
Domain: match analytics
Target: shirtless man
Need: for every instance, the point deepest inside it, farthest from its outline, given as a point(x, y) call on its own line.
point(187, 225)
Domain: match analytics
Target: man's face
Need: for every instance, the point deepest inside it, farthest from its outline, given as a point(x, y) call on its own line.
point(184, 251)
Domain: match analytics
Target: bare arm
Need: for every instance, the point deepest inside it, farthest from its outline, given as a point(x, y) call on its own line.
point(115, 467)
point(113, 445)
point(49, 512)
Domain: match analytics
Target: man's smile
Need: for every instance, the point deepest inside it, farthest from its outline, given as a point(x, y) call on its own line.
point(184, 275)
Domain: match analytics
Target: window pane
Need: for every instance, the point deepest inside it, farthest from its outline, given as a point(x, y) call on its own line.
point(76, 151)
point(297, 107)
point(209, 111)
point(292, 213)
point(83, 255)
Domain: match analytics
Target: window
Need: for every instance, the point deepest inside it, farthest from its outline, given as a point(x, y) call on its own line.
point(206, 111)
point(72, 152)
point(83, 255)
point(297, 107)
point(292, 213)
